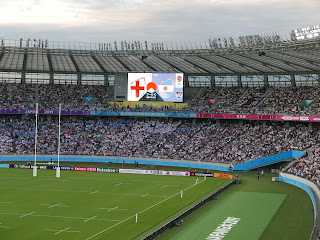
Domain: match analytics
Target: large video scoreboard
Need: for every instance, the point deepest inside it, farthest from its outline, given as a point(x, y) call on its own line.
point(167, 87)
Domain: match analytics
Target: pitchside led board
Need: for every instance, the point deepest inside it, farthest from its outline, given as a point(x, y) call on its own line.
point(166, 87)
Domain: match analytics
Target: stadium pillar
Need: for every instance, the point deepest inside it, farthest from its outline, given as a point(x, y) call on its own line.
point(293, 81)
point(23, 77)
point(239, 81)
point(218, 122)
point(265, 80)
point(310, 125)
point(194, 121)
point(106, 80)
point(213, 81)
point(79, 78)
point(51, 81)
point(186, 80)
point(264, 125)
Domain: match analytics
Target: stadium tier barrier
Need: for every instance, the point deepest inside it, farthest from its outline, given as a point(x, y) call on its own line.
point(314, 193)
point(247, 166)
point(152, 162)
point(165, 114)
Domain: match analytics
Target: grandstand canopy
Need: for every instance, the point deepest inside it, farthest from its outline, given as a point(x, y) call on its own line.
point(44, 65)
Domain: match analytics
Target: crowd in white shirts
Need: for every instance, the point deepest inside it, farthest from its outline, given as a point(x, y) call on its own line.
point(154, 138)
point(308, 166)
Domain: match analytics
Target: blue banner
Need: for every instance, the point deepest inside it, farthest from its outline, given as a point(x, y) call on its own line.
point(144, 114)
point(88, 99)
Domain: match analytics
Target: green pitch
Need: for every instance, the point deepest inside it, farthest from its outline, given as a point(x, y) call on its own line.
point(252, 210)
point(86, 205)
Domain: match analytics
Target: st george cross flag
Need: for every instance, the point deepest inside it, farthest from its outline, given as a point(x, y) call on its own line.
point(137, 89)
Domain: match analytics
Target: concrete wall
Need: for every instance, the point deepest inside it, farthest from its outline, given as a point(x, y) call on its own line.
point(247, 166)
point(314, 193)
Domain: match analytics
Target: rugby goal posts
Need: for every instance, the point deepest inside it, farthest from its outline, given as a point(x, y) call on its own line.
point(35, 144)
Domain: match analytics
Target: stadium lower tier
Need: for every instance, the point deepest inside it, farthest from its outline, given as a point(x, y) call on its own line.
point(226, 142)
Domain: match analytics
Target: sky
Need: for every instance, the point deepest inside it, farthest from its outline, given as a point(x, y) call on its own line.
point(100, 21)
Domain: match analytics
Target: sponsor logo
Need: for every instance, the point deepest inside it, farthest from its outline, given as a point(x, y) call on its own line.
point(30, 111)
point(179, 94)
point(179, 81)
point(223, 229)
point(85, 169)
point(64, 168)
point(241, 116)
point(42, 167)
point(22, 166)
point(203, 174)
point(106, 170)
point(222, 175)
point(154, 172)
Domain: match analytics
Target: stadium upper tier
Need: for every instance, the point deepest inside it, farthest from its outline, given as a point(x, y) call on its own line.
point(282, 58)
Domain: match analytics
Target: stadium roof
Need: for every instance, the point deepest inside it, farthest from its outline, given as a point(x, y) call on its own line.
point(296, 57)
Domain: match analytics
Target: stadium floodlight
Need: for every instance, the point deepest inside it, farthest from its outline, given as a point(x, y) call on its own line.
point(58, 168)
point(115, 45)
point(35, 144)
point(146, 44)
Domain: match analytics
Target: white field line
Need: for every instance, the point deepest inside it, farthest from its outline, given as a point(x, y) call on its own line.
point(4, 227)
point(61, 190)
point(178, 193)
point(89, 219)
point(62, 231)
point(81, 218)
point(145, 195)
point(26, 215)
point(6, 202)
point(94, 192)
point(164, 186)
point(56, 205)
point(112, 209)
point(116, 208)
point(99, 179)
point(59, 230)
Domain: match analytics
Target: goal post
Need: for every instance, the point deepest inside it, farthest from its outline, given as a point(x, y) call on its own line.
point(58, 168)
point(35, 144)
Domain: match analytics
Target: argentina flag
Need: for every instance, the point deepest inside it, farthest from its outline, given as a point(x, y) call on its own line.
point(166, 88)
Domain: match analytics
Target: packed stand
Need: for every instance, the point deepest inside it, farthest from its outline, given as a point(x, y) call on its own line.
point(227, 100)
point(308, 167)
point(204, 141)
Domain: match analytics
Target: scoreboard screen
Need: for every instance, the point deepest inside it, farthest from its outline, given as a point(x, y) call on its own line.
point(166, 87)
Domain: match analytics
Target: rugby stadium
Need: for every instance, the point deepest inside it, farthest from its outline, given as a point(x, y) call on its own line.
point(141, 140)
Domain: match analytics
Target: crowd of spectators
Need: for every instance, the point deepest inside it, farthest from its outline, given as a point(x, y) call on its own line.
point(156, 138)
point(233, 100)
point(308, 167)
point(73, 97)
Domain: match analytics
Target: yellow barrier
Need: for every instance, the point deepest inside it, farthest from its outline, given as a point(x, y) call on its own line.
point(142, 104)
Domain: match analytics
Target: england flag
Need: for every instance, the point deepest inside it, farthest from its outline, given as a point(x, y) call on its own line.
point(137, 89)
